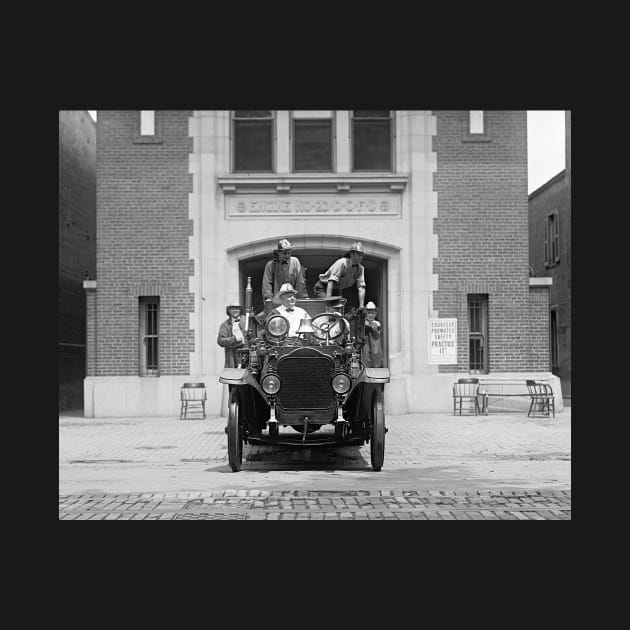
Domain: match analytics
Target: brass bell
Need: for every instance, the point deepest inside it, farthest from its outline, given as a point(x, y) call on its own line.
point(305, 326)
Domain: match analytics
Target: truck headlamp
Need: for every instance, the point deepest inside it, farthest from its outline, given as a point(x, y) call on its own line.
point(270, 384)
point(341, 383)
point(277, 327)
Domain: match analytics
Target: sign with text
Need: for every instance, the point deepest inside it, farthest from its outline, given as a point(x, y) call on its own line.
point(313, 205)
point(442, 341)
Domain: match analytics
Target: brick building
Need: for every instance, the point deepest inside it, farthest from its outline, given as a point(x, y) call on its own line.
point(77, 248)
point(550, 257)
point(191, 203)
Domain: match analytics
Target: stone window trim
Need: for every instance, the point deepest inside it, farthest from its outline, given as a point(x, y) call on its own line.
point(157, 137)
point(314, 182)
point(467, 136)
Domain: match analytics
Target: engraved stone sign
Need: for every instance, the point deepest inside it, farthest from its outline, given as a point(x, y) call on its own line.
point(312, 205)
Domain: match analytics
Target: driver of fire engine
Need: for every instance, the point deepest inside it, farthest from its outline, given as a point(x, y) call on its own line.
point(285, 299)
point(342, 274)
point(232, 334)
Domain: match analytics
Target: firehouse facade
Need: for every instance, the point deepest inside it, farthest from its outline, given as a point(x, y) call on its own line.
point(192, 203)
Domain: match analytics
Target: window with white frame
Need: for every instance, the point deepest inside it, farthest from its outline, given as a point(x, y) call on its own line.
point(148, 127)
point(147, 122)
point(475, 126)
point(552, 239)
point(372, 140)
point(252, 141)
point(149, 335)
point(312, 141)
point(475, 119)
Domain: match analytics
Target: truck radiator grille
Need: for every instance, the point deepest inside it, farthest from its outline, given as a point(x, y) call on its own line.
point(305, 382)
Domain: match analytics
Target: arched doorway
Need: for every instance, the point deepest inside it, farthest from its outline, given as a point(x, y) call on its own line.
point(316, 261)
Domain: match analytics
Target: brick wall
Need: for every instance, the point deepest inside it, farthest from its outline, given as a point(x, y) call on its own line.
point(143, 230)
point(555, 194)
point(482, 230)
point(77, 247)
point(538, 350)
point(91, 332)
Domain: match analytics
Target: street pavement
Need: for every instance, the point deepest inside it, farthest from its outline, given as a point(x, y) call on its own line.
point(503, 466)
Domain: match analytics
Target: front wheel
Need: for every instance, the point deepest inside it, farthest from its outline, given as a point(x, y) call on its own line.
point(234, 433)
point(377, 431)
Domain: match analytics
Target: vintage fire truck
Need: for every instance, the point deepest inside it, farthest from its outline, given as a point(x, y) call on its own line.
point(315, 383)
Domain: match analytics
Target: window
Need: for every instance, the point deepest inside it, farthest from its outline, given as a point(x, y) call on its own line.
point(148, 127)
point(478, 333)
point(147, 122)
point(312, 141)
point(476, 120)
point(371, 140)
point(475, 126)
point(253, 141)
point(552, 239)
point(553, 340)
point(149, 339)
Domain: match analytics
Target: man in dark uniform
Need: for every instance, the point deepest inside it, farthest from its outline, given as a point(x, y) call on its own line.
point(281, 269)
point(232, 334)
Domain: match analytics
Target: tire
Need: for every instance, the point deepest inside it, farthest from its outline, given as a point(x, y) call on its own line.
point(377, 433)
point(234, 433)
point(274, 430)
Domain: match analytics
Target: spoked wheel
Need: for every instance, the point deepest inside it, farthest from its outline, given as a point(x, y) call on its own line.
point(377, 433)
point(234, 433)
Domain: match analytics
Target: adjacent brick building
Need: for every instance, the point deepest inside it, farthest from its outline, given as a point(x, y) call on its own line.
point(550, 257)
point(191, 203)
point(77, 248)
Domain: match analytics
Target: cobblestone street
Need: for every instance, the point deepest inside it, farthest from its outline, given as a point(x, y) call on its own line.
point(320, 505)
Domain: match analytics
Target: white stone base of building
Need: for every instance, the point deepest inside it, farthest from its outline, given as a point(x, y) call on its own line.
point(134, 396)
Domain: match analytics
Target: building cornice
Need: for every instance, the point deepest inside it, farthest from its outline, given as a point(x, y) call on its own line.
point(313, 182)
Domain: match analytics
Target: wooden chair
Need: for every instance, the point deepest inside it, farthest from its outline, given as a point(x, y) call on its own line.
point(542, 400)
point(466, 389)
point(193, 395)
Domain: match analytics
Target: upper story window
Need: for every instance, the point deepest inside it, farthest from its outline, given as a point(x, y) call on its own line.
point(148, 127)
point(475, 126)
point(476, 120)
point(253, 140)
point(312, 141)
point(147, 122)
point(552, 239)
point(371, 140)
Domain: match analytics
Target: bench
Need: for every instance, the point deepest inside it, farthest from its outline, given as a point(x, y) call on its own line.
point(502, 390)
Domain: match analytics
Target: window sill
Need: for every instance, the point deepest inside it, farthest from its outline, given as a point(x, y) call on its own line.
point(540, 282)
point(312, 182)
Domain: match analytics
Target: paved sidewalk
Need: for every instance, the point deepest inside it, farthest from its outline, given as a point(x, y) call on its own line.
point(423, 452)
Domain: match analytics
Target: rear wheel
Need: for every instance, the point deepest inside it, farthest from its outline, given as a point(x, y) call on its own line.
point(377, 431)
point(234, 433)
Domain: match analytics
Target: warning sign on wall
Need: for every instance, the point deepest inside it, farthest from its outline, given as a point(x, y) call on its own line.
point(442, 341)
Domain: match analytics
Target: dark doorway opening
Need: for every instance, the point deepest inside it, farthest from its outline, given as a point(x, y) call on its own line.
point(316, 262)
